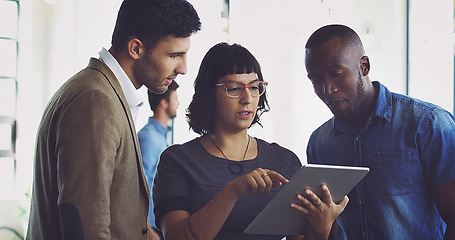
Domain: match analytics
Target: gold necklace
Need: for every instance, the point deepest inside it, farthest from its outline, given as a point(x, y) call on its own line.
point(234, 166)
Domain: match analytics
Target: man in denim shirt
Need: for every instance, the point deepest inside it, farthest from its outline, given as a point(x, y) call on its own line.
point(153, 140)
point(408, 144)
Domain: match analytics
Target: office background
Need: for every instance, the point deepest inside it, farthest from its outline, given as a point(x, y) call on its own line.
point(43, 42)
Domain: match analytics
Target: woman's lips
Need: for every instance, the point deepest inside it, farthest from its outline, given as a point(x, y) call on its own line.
point(244, 114)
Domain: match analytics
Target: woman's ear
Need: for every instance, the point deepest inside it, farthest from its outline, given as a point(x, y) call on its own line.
point(135, 48)
point(365, 65)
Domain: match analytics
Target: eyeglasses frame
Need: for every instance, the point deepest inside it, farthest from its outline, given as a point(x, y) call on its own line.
point(248, 85)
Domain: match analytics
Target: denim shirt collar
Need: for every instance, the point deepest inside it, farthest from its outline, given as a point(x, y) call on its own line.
point(159, 127)
point(384, 102)
point(383, 109)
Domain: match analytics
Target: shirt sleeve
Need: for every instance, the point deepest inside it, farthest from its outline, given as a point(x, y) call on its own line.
point(437, 147)
point(150, 154)
point(86, 147)
point(171, 185)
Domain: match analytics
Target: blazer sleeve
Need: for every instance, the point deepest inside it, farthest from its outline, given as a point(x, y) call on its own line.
point(87, 140)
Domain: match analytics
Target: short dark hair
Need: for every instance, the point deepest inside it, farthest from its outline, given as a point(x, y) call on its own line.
point(221, 60)
point(155, 98)
point(329, 32)
point(152, 21)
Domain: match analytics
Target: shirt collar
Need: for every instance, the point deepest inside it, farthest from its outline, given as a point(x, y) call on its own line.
point(159, 126)
point(384, 102)
point(131, 93)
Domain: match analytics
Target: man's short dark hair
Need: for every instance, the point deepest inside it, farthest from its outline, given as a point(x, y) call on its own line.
point(151, 21)
point(329, 32)
point(155, 98)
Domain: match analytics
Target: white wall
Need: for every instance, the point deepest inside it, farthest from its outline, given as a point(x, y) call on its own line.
point(431, 42)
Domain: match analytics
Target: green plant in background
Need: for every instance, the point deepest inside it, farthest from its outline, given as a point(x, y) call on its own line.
point(24, 207)
point(13, 234)
point(9, 233)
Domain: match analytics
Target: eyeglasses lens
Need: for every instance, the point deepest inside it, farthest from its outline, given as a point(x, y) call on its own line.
point(234, 89)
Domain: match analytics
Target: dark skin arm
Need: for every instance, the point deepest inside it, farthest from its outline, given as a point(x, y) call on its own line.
point(445, 202)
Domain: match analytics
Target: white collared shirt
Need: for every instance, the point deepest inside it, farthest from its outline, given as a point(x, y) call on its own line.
point(133, 98)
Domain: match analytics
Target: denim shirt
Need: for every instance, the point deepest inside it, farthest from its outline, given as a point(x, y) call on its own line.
point(409, 146)
point(152, 141)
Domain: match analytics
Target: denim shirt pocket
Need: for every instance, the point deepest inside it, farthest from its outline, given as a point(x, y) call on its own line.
point(392, 173)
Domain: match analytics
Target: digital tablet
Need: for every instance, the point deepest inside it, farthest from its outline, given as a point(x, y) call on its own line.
point(278, 218)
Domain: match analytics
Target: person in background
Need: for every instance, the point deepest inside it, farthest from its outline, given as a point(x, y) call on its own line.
point(213, 186)
point(408, 144)
point(88, 177)
point(153, 139)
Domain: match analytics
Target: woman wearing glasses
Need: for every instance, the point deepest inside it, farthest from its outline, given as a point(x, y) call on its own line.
point(213, 186)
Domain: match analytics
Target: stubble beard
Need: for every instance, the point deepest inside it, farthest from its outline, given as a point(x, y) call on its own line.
point(360, 96)
point(146, 73)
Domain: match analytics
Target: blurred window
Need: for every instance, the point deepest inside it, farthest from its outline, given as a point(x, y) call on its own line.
point(9, 45)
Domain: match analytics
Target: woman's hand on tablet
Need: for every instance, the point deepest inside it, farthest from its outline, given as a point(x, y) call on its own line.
point(320, 212)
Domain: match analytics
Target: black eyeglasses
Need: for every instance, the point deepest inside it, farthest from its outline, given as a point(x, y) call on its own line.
point(235, 89)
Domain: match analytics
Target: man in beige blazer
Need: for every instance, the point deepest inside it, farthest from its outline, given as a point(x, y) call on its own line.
point(88, 177)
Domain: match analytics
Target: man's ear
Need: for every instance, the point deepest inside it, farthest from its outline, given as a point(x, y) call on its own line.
point(135, 48)
point(365, 65)
point(163, 103)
